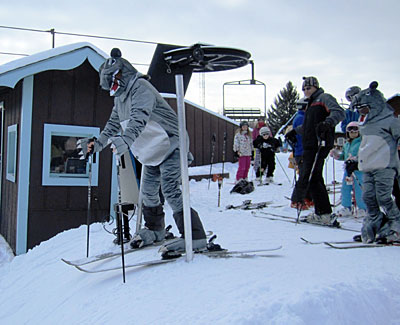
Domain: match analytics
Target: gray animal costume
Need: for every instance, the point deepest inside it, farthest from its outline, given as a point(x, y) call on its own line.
point(378, 159)
point(150, 129)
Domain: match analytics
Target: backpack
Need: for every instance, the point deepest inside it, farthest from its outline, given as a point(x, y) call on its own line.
point(243, 187)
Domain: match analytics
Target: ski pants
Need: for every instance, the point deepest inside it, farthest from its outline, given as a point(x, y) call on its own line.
point(347, 188)
point(244, 166)
point(378, 186)
point(316, 187)
point(267, 163)
point(168, 174)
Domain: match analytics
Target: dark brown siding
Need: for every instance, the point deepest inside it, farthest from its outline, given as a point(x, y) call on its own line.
point(201, 125)
point(8, 223)
point(69, 98)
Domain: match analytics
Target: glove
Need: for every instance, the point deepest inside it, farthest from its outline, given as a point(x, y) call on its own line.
point(118, 145)
point(236, 154)
point(323, 129)
point(351, 166)
point(291, 136)
point(82, 144)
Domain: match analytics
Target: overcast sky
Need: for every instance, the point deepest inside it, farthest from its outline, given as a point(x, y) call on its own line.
point(341, 42)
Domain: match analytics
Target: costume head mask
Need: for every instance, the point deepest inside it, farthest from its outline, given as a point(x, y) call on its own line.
point(369, 103)
point(115, 73)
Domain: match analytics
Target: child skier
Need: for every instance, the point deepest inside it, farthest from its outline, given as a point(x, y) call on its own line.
point(243, 147)
point(267, 146)
point(378, 159)
point(350, 155)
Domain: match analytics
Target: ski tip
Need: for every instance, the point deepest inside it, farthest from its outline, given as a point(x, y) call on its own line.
point(66, 262)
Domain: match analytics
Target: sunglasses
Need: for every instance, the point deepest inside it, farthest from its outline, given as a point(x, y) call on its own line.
point(352, 129)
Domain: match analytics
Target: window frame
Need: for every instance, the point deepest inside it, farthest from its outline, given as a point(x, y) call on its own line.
point(11, 164)
point(52, 179)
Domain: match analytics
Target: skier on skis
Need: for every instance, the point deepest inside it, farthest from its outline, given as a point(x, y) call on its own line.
point(149, 128)
point(297, 144)
point(378, 159)
point(352, 179)
point(267, 145)
point(322, 114)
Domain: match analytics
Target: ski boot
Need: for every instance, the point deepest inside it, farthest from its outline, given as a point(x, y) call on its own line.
point(154, 230)
point(326, 219)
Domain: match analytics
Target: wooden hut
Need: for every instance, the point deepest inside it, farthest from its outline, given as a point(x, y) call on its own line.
point(47, 101)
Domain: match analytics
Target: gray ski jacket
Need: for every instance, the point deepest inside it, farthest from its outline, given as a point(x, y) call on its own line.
point(149, 125)
point(380, 133)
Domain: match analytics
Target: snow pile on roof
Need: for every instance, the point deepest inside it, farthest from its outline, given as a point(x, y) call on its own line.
point(41, 56)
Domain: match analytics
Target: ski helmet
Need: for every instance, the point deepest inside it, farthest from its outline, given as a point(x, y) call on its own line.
point(301, 104)
point(351, 92)
point(264, 130)
point(243, 123)
point(352, 126)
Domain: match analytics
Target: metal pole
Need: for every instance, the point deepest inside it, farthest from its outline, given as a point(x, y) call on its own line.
point(53, 37)
point(184, 166)
point(140, 203)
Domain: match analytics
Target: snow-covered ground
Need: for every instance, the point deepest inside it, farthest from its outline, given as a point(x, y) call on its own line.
point(299, 284)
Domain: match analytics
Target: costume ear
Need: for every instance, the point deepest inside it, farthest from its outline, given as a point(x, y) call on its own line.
point(373, 85)
point(116, 53)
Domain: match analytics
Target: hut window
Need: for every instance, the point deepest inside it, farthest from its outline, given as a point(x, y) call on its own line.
point(62, 165)
point(11, 152)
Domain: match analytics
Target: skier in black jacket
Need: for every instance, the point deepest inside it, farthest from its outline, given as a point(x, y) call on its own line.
point(267, 145)
point(322, 114)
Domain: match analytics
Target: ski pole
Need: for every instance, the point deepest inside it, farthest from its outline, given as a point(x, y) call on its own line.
point(213, 138)
point(223, 166)
point(334, 183)
point(119, 212)
point(282, 168)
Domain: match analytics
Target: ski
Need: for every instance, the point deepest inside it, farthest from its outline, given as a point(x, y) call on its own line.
point(323, 242)
point(359, 245)
point(110, 255)
point(269, 183)
point(280, 217)
point(213, 254)
point(247, 205)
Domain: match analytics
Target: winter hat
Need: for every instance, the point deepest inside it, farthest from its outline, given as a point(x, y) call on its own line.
point(264, 130)
point(244, 123)
point(310, 81)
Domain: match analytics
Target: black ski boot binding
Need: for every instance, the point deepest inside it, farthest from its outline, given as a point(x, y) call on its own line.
point(212, 247)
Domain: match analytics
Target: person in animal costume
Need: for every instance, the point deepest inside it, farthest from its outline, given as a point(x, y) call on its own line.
point(378, 159)
point(148, 126)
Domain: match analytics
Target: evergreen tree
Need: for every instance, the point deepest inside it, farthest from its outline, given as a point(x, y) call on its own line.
point(284, 107)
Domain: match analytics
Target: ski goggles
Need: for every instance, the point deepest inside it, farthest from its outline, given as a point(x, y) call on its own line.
point(352, 129)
